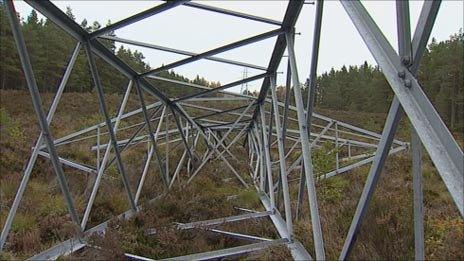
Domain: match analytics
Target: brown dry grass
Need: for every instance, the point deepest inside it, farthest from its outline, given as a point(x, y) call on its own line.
point(42, 220)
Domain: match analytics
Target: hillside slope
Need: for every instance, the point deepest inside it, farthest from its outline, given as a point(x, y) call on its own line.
point(42, 221)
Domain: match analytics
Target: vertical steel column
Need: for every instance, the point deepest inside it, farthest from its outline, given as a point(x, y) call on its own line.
point(422, 33)
point(405, 52)
point(288, 82)
point(267, 156)
point(416, 149)
point(256, 152)
point(337, 163)
point(349, 150)
point(166, 158)
point(283, 165)
point(98, 148)
point(311, 91)
point(35, 152)
point(193, 147)
point(261, 155)
point(306, 149)
point(101, 98)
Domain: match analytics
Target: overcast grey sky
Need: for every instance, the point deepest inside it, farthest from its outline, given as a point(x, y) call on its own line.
point(198, 30)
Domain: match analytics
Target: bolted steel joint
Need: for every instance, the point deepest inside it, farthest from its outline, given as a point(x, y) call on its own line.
point(402, 74)
point(407, 83)
point(406, 60)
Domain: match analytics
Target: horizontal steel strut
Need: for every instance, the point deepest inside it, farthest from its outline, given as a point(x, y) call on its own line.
point(207, 128)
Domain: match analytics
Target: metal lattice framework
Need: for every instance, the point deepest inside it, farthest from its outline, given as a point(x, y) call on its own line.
point(258, 123)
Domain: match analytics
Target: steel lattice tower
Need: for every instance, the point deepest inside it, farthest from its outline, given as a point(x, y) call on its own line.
point(251, 124)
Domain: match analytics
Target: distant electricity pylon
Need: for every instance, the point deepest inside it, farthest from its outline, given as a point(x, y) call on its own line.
point(279, 138)
point(244, 86)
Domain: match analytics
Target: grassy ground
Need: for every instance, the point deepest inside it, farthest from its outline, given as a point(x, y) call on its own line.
point(42, 219)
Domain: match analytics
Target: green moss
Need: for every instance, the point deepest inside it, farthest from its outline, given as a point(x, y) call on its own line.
point(7, 189)
point(4, 256)
point(23, 223)
point(248, 198)
point(10, 127)
point(333, 189)
point(53, 205)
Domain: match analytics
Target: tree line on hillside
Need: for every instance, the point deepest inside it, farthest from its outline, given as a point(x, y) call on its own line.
point(50, 49)
point(364, 88)
point(355, 88)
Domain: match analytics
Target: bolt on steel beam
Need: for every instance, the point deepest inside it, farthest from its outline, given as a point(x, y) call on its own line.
point(435, 136)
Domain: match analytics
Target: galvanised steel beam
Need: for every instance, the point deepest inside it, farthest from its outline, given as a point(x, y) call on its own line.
point(306, 151)
point(36, 149)
point(177, 51)
point(225, 124)
point(184, 104)
point(217, 221)
point(341, 124)
point(423, 29)
point(405, 52)
point(43, 122)
point(215, 148)
point(137, 17)
point(435, 136)
point(233, 13)
point(103, 163)
point(147, 163)
point(202, 87)
point(74, 244)
point(242, 129)
point(137, 138)
point(220, 143)
point(297, 250)
point(104, 111)
point(178, 168)
point(134, 135)
point(418, 196)
point(267, 157)
point(53, 13)
point(239, 235)
point(70, 163)
point(358, 164)
point(215, 51)
point(289, 21)
point(223, 87)
point(233, 251)
point(374, 173)
point(220, 112)
point(69, 25)
point(144, 173)
point(263, 169)
point(283, 165)
point(176, 120)
point(312, 88)
point(154, 148)
point(63, 140)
